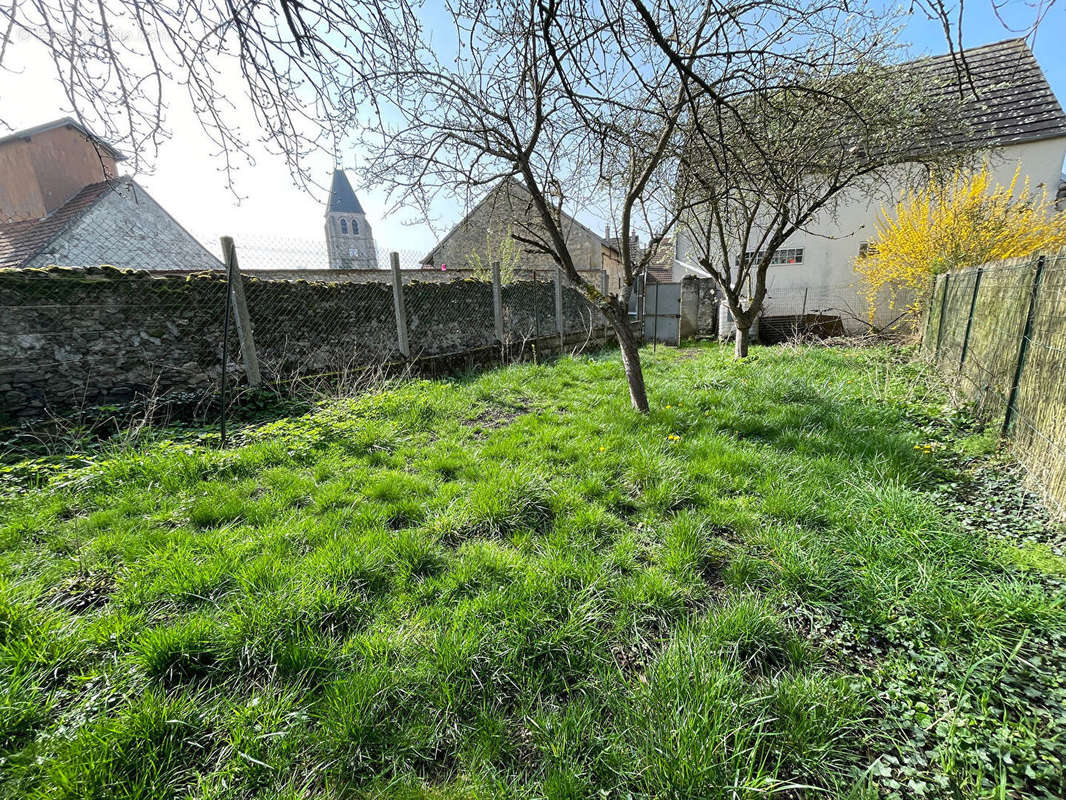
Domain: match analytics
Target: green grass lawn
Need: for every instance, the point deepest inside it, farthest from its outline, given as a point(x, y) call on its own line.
point(800, 576)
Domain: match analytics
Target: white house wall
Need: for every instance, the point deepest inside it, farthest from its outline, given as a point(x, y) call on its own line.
point(831, 244)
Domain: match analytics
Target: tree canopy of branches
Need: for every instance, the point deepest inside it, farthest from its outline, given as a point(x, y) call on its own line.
point(758, 113)
point(302, 66)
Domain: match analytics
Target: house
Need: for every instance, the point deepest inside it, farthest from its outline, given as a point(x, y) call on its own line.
point(505, 211)
point(349, 239)
point(1015, 122)
point(62, 202)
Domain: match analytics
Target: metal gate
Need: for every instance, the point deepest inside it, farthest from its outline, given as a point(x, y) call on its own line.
point(662, 313)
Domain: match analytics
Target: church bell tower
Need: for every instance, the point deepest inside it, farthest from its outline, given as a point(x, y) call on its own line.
point(349, 240)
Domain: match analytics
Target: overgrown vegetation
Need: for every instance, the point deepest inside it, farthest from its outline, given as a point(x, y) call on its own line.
point(515, 585)
point(962, 221)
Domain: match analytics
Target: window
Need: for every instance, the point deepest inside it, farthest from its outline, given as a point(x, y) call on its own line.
point(791, 255)
point(344, 226)
point(867, 249)
point(355, 227)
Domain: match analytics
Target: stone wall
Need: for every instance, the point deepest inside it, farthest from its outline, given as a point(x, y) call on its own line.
point(699, 307)
point(81, 337)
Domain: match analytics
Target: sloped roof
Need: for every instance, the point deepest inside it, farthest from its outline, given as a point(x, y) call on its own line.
point(615, 244)
point(63, 122)
point(1007, 98)
point(342, 197)
point(661, 264)
point(21, 241)
point(567, 221)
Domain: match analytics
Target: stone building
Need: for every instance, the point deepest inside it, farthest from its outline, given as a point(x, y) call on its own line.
point(349, 240)
point(505, 212)
point(62, 202)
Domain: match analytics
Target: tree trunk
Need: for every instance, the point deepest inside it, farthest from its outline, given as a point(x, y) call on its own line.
point(742, 337)
point(627, 343)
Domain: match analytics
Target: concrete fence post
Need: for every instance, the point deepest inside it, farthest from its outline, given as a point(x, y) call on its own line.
point(536, 319)
point(560, 326)
point(497, 301)
point(399, 306)
point(604, 288)
point(240, 312)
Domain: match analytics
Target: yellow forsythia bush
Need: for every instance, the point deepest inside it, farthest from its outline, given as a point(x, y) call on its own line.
point(966, 221)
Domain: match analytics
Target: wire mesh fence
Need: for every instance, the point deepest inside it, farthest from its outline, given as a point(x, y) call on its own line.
point(1000, 331)
point(97, 336)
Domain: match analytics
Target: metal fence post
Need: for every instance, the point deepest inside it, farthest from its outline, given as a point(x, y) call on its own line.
point(1010, 413)
point(399, 305)
point(642, 302)
point(559, 326)
point(240, 312)
point(497, 303)
point(969, 319)
point(940, 325)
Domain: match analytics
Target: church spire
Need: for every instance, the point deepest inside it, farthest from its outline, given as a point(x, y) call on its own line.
point(349, 240)
point(342, 196)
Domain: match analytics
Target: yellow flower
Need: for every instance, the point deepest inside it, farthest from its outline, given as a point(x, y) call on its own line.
point(602, 449)
point(668, 406)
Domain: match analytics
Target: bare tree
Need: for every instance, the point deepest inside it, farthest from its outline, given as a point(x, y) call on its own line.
point(636, 106)
point(572, 99)
point(833, 122)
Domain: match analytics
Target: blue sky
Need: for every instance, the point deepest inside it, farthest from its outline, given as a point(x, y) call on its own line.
point(283, 225)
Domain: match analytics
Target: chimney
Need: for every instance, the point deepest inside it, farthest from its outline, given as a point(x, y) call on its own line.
point(42, 168)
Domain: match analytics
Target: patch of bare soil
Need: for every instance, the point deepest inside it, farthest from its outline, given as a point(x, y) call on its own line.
point(84, 591)
point(496, 416)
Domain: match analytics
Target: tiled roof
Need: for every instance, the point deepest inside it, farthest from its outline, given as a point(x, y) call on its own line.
point(615, 243)
point(1007, 98)
point(342, 197)
point(20, 241)
point(661, 265)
